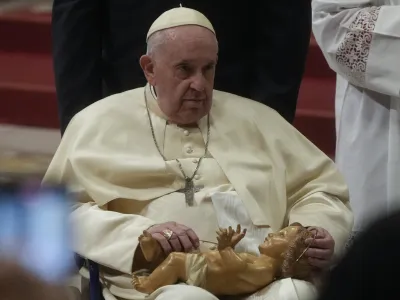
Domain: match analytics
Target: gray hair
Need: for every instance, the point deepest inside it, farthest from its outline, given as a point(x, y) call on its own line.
point(158, 39)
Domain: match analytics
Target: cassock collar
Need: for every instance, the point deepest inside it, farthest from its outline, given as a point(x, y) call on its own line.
point(152, 102)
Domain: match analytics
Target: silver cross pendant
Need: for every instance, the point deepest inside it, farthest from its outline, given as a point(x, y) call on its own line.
point(189, 190)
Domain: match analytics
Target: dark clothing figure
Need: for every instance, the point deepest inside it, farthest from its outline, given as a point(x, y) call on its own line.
point(370, 269)
point(97, 45)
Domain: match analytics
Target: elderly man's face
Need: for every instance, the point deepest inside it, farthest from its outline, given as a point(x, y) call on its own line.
point(182, 71)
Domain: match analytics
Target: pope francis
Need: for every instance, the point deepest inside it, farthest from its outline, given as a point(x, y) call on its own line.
point(154, 157)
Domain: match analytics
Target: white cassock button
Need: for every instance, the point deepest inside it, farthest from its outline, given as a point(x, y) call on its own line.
point(189, 150)
point(195, 161)
point(186, 132)
point(197, 177)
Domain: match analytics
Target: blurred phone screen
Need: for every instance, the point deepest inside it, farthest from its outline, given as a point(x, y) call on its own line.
point(35, 229)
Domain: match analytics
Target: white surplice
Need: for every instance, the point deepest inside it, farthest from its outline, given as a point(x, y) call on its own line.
point(361, 43)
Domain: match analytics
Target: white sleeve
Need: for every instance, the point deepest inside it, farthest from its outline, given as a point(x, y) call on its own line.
point(360, 41)
point(106, 237)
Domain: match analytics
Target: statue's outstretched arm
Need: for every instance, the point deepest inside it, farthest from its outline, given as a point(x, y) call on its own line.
point(227, 240)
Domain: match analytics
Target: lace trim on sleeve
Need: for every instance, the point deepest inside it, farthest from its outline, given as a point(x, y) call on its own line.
point(352, 54)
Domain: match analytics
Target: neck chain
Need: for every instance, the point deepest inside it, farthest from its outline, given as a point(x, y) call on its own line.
point(189, 189)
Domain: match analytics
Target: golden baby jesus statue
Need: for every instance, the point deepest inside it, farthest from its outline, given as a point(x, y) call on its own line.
point(225, 272)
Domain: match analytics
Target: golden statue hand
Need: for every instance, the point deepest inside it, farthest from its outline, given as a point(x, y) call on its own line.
point(229, 237)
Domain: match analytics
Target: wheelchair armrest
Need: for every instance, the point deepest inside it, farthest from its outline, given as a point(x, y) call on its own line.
point(94, 280)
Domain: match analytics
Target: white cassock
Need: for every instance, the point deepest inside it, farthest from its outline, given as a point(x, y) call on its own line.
point(109, 158)
point(361, 42)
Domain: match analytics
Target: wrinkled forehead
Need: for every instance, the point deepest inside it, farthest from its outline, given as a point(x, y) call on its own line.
point(183, 35)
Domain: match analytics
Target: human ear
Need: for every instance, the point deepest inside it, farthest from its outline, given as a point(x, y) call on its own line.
point(147, 65)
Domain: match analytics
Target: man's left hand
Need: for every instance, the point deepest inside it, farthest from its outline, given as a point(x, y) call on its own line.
point(321, 248)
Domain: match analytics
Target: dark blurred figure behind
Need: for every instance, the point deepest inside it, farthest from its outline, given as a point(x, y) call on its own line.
point(97, 45)
point(18, 284)
point(371, 268)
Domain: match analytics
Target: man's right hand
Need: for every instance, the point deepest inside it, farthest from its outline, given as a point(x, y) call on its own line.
point(174, 237)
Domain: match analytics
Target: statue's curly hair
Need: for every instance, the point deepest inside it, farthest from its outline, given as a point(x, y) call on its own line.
point(295, 264)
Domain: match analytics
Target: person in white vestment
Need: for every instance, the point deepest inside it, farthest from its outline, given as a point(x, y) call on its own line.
point(156, 157)
point(361, 43)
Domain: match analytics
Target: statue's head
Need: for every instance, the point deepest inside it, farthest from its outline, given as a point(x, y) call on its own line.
point(182, 53)
point(289, 246)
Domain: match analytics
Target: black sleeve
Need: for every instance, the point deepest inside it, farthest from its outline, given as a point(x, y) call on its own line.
point(370, 268)
point(281, 35)
point(124, 41)
point(77, 51)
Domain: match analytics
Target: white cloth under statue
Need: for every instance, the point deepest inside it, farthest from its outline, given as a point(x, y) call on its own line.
point(230, 211)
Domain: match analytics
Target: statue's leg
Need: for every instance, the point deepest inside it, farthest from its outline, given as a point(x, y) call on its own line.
point(172, 269)
point(151, 249)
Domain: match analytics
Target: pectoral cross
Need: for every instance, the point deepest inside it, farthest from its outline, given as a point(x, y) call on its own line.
point(189, 190)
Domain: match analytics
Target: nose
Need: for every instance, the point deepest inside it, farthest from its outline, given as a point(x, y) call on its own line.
point(198, 82)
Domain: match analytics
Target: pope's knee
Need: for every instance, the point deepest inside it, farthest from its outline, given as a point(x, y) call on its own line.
point(305, 289)
point(286, 289)
point(184, 292)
